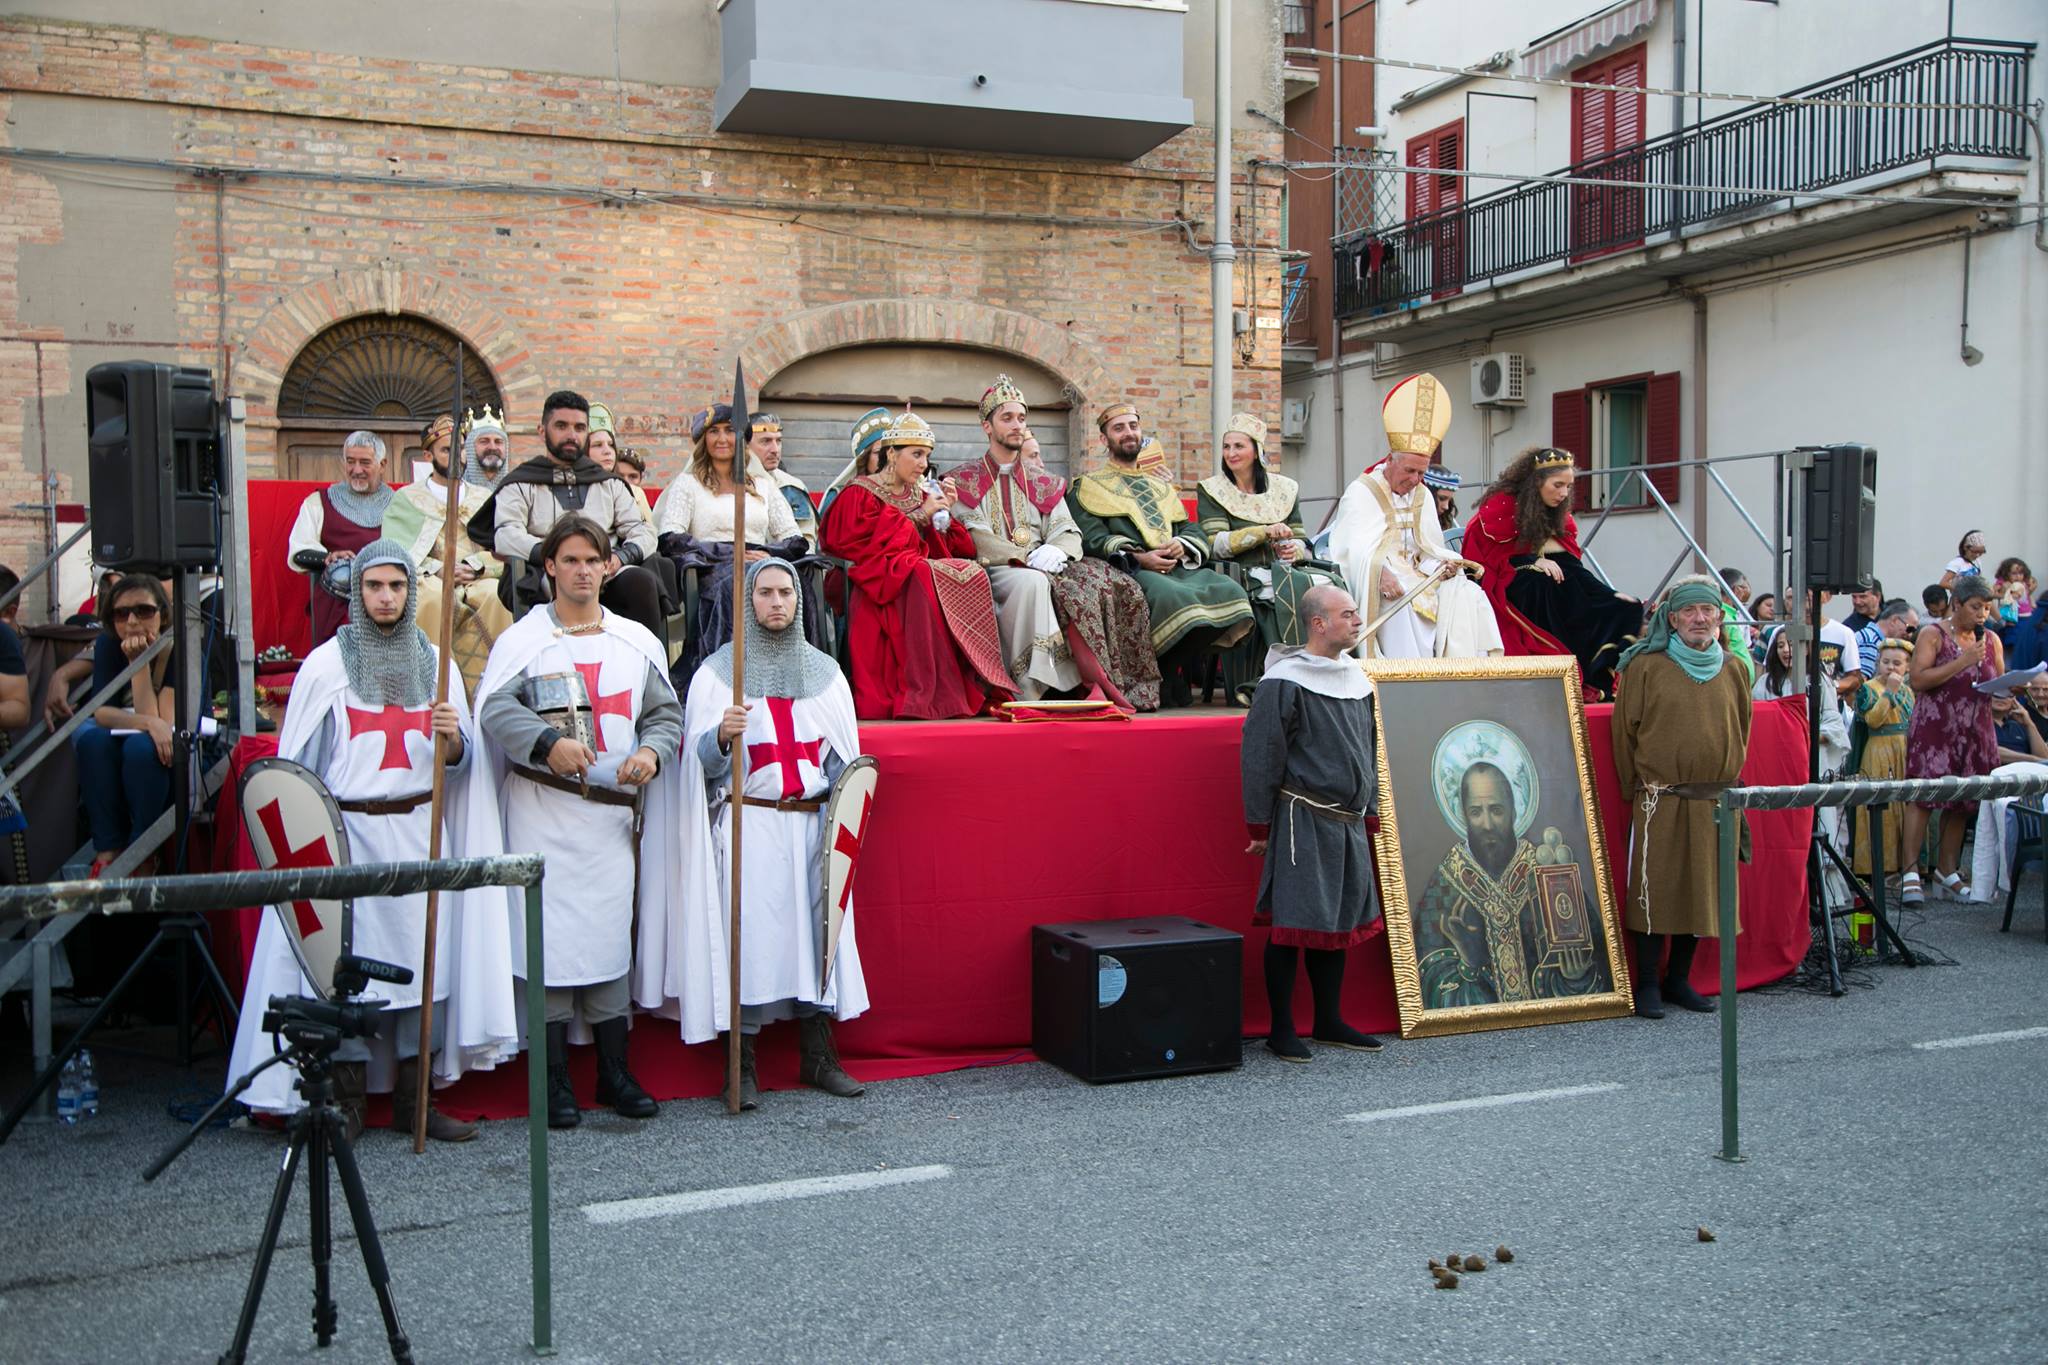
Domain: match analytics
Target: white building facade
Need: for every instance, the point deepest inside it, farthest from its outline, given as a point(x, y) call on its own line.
point(1681, 314)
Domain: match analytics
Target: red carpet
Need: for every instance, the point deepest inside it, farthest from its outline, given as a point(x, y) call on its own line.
point(982, 830)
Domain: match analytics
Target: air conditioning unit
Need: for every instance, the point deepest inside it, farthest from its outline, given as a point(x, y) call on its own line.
point(1498, 380)
point(1293, 418)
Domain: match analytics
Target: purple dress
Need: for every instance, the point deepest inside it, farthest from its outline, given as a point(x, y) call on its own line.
point(1951, 734)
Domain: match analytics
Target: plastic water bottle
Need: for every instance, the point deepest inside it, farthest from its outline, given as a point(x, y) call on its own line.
point(88, 1087)
point(68, 1089)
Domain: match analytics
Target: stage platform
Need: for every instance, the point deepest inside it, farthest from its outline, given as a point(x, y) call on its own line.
point(982, 829)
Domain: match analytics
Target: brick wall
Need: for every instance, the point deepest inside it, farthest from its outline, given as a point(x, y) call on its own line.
point(639, 302)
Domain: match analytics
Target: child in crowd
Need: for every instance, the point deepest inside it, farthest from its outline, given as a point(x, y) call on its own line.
point(2014, 593)
point(1933, 602)
point(1969, 550)
point(1877, 746)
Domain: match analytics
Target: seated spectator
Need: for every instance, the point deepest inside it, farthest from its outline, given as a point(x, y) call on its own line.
point(2034, 696)
point(2013, 591)
point(1443, 486)
point(88, 613)
point(13, 663)
point(2019, 735)
point(632, 467)
point(334, 523)
point(602, 443)
point(125, 778)
point(1969, 550)
point(1893, 620)
point(1863, 605)
point(1951, 733)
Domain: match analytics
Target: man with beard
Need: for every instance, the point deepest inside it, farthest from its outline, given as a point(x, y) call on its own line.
point(764, 453)
point(1480, 938)
point(1310, 784)
point(363, 719)
point(1136, 522)
point(483, 449)
point(1065, 621)
point(581, 731)
point(336, 522)
point(799, 734)
point(537, 494)
point(417, 519)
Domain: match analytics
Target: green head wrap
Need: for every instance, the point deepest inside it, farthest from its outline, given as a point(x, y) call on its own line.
point(1701, 665)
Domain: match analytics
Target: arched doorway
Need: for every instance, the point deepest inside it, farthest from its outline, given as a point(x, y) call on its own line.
point(387, 373)
point(819, 397)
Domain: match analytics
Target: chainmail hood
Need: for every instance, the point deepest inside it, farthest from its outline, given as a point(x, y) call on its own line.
point(386, 667)
point(779, 663)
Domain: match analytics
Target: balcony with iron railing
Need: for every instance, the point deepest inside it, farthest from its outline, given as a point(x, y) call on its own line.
point(1708, 194)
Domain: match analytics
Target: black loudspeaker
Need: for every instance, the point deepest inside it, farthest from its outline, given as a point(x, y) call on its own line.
point(1841, 518)
point(153, 461)
point(1123, 999)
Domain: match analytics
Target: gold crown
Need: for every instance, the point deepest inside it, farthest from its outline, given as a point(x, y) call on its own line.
point(1004, 390)
point(472, 419)
point(1551, 458)
point(910, 430)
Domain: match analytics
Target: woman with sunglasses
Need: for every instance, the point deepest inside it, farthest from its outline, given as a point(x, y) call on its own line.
point(1546, 600)
point(125, 749)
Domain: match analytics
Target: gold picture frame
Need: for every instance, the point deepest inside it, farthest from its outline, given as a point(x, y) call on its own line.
point(1526, 931)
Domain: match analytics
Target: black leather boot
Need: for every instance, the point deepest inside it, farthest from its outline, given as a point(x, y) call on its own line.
point(1678, 979)
point(1280, 963)
point(1649, 962)
point(562, 1110)
point(615, 1084)
point(750, 1083)
point(820, 1067)
point(405, 1098)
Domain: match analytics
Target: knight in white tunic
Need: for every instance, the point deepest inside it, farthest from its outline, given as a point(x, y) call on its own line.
point(581, 729)
point(363, 719)
point(798, 734)
point(1387, 539)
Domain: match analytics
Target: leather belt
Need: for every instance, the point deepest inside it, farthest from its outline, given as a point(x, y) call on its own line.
point(603, 796)
point(766, 804)
point(397, 805)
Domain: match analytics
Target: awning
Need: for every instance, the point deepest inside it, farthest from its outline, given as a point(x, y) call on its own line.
point(1555, 52)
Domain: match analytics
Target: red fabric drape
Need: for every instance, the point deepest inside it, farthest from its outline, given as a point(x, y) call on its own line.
point(981, 831)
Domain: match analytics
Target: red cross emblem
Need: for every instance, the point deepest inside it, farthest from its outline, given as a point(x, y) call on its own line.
point(284, 855)
point(848, 841)
point(787, 749)
point(394, 723)
point(603, 704)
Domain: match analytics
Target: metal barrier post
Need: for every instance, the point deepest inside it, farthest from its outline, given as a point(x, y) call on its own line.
point(1728, 839)
point(537, 1125)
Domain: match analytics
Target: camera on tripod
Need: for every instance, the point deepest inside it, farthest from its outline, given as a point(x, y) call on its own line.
point(309, 1022)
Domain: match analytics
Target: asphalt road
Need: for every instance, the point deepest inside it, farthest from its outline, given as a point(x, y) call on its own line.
point(1892, 1207)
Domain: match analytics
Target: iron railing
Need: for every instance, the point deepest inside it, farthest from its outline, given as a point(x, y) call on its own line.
point(1787, 147)
point(1297, 19)
point(1297, 305)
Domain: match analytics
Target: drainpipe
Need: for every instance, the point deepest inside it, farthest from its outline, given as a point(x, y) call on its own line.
point(1701, 483)
point(1336, 69)
point(1222, 255)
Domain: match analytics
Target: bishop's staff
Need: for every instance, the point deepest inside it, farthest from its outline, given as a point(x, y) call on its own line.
point(740, 606)
point(451, 529)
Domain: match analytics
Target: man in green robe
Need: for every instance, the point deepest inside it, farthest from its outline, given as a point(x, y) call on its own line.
point(1137, 522)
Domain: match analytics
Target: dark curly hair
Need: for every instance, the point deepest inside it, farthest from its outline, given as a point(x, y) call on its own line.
point(1534, 521)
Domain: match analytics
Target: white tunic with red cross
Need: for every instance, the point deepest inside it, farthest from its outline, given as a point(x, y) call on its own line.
point(587, 890)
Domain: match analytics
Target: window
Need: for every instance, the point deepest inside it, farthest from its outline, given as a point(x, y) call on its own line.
point(387, 374)
point(1442, 239)
point(1616, 425)
point(1607, 135)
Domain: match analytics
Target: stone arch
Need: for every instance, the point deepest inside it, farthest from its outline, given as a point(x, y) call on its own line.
point(960, 322)
point(270, 347)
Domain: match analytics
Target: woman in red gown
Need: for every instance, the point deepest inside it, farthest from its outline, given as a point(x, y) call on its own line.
point(1546, 600)
point(922, 628)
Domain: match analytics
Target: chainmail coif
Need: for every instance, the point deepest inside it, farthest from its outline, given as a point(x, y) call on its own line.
point(386, 666)
point(779, 663)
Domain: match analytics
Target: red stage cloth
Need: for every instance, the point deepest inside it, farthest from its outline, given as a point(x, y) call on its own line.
point(983, 830)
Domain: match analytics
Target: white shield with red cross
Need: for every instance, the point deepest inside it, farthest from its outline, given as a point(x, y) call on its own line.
point(293, 823)
point(847, 812)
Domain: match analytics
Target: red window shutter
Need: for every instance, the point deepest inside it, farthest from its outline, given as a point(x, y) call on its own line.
point(1625, 111)
point(1421, 152)
point(1568, 423)
point(1450, 156)
point(1660, 420)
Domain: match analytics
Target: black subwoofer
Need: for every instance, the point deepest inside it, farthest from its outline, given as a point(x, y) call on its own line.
point(1120, 1000)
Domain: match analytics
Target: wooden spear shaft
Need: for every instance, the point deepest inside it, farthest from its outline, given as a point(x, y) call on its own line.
point(451, 530)
point(739, 698)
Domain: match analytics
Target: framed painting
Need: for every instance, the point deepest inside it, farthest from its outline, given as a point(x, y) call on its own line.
point(1492, 864)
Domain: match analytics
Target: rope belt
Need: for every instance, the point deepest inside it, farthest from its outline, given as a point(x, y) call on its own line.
point(1335, 811)
point(396, 805)
point(1653, 792)
point(765, 804)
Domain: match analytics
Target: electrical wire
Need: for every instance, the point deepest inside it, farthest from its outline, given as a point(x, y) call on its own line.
point(1562, 82)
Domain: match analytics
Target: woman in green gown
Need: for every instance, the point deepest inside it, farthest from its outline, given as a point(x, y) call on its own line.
point(1252, 518)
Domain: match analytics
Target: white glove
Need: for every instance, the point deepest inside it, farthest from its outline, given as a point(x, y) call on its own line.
point(1047, 559)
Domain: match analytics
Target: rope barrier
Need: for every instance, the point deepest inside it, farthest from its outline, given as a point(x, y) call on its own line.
point(1917, 790)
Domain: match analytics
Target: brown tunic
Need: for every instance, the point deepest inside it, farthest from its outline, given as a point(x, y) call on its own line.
point(1668, 730)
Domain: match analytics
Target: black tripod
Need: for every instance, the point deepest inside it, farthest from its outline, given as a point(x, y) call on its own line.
point(319, 1134)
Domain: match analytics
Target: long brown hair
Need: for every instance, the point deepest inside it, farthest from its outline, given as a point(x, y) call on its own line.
point(1535, 521)
point(700, 459)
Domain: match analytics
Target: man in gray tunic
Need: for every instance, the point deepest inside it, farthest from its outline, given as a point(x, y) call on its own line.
point(1309, 786)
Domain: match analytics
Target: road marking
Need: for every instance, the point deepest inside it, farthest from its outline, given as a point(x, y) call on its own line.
point(702, 1201)
point(1412, 1111)
point(1982, 1039)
